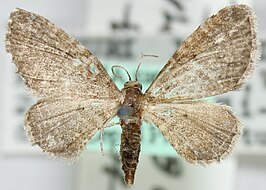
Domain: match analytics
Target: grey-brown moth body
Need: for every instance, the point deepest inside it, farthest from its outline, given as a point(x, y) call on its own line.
point(77, 100)
point(130, 120)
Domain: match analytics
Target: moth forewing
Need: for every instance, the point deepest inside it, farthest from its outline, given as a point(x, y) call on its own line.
point(217, 58)
point(46, 58)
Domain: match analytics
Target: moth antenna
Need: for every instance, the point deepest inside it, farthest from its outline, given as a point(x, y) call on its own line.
point(118, 76)
point(140, 61)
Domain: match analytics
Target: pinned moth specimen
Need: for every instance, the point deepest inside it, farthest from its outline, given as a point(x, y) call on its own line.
point(77, 97)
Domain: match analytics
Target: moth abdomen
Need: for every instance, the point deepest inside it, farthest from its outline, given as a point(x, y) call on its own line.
point(130, 149)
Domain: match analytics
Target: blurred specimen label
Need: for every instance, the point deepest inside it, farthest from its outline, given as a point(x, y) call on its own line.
point(77, 97)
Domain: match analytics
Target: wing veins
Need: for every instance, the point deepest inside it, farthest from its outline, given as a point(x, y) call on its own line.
point(61, 114)
point(39, 40)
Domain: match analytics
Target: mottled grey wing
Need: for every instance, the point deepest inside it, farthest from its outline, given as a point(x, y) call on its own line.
point(215, 59)
point(199, 131)
point(52, 63)
point(62, 127)
point(79, 97)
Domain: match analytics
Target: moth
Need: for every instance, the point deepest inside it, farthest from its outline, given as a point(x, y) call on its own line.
point(77, 97)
